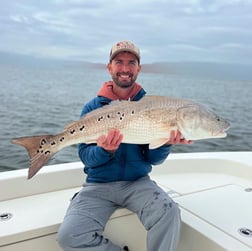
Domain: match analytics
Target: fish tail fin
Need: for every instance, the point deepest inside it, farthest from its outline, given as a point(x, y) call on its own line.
point(38, 157)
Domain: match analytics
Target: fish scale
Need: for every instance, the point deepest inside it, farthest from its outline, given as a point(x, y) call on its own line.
point(148, 121)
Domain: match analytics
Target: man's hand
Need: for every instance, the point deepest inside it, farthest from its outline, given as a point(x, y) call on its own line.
point(111, 142)
point(176, 138)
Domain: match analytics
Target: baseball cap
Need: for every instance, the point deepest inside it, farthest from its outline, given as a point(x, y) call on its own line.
point(124, 46)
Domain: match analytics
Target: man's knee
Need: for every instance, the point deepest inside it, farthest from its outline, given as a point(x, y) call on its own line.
point(70, 236)
point(172, 212)
point(165, 210)
point(64, 237)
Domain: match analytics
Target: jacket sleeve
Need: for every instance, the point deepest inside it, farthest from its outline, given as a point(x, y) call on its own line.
point(156, 156)
point(92, 155)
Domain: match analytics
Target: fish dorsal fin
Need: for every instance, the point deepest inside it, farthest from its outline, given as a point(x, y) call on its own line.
point(157, 143)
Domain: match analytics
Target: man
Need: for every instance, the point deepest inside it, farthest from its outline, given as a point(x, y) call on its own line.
point(117, 173)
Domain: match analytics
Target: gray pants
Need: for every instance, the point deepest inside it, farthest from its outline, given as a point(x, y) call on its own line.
point(90, 210)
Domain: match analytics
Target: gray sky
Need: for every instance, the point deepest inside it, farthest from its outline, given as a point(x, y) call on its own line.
point(165, 30)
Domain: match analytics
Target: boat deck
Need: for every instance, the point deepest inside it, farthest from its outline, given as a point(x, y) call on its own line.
point(214, 193)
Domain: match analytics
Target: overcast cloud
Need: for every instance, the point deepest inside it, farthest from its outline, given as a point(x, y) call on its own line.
point(165, 30)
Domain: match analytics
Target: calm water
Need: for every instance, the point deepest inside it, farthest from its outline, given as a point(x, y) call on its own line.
point(42, 101)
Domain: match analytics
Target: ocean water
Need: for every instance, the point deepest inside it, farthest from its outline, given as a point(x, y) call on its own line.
point(42, 100)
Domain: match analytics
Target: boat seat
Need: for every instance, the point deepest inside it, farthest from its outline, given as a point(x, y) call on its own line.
point(37, 215)
point(214, 202)
point(33, 216)
point(227, 209)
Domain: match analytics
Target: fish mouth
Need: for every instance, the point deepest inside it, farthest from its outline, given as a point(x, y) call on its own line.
point(222, 133)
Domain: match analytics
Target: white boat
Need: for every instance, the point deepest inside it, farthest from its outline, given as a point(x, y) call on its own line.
point(213, 190)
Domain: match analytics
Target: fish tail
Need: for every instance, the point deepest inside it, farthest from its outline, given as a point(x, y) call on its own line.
point(38, 157)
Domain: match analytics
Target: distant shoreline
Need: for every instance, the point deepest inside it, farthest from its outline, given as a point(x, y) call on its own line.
point(210, 70)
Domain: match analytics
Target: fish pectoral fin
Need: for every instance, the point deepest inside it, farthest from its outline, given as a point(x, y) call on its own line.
point(90, 141)
point(157, 143)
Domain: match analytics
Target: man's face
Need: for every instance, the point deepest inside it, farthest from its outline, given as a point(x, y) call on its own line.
point(124, 69)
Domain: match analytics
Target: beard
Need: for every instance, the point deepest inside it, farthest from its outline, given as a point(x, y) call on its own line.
point(124, 83)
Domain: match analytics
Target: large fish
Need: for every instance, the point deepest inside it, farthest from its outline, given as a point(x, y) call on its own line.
point(148, 121)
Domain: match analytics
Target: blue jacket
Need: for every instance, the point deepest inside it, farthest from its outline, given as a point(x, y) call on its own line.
point(130, 162)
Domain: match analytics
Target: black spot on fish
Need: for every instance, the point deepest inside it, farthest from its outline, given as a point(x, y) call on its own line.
point(72, 131)
point(82, 128)
point(62, 139)
point(47, 152)
point(108, 116)
point(122, 116)
point(100, 118)
point(132, 112)
point(53, 143)
point(42, 142)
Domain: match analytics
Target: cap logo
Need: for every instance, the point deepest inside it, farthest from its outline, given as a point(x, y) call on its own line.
point(125, 45)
